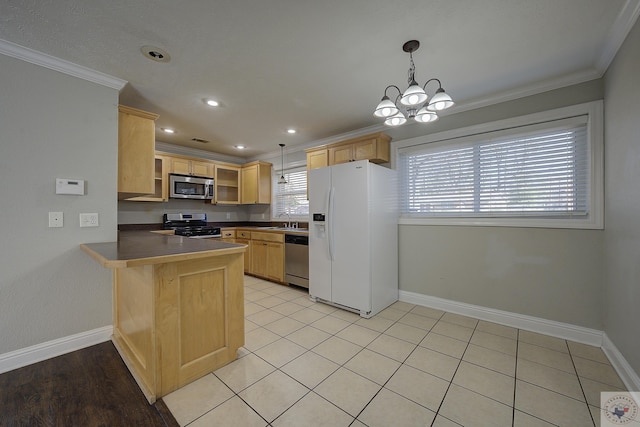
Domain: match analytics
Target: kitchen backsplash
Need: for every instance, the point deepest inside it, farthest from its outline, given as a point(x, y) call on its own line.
point(151, 213)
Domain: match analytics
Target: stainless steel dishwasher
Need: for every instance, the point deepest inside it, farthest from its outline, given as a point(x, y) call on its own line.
point(296, 259)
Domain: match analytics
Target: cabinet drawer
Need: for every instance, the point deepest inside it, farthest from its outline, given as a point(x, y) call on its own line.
point(228, 233)
point(267, 237)
point(243, 234)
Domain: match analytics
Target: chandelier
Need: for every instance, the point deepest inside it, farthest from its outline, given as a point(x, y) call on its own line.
point(414, 102)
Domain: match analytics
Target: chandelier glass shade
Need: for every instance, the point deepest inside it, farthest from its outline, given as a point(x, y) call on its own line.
point(414, 102)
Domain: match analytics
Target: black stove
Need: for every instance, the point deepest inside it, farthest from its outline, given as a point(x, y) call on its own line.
point(190, 225)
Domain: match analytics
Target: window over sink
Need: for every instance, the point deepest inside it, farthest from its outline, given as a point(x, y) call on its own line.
point(290, 198)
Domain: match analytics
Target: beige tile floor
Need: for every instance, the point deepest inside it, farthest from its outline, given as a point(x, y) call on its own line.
point(310, 364)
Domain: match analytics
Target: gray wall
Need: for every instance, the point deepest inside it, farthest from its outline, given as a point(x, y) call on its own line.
point(622, 200)
point(53, 126)
point(553, 274)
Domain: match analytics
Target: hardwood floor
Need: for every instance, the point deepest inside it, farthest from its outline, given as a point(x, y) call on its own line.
point(88, 387)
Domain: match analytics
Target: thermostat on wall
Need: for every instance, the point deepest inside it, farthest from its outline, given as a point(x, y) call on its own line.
point(70, 186)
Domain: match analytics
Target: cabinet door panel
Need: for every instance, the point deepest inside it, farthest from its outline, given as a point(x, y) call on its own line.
point(365, 150)
point(317, 159)
point(339, 155)
point(249, 185)
point(181, 166)
point(201, 169)
point(275, 261)
point(259, 254)
point(247, 254)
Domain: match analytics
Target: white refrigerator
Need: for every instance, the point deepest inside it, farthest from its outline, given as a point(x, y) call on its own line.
point(353, 236)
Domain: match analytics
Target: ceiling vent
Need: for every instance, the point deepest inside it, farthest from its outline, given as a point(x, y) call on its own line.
point(204, 141)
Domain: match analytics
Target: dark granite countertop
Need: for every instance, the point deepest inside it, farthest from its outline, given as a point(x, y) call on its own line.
point(135, 248)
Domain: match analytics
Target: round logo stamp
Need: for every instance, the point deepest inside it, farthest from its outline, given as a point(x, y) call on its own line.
point(619, 409)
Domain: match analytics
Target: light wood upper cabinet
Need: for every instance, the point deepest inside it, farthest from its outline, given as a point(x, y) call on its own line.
point(375, 148)
point(317, 158)
point(161, 191)
point(340, 154)
point(227, 183)
point(185, 166)
point(136, 149)
point(255, 183)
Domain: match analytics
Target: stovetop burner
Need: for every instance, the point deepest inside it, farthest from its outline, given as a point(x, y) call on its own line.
point(189, 225)
point(198, 231)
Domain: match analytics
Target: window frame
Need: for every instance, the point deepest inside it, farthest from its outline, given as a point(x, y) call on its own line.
point(275, 186)
point(595, 136)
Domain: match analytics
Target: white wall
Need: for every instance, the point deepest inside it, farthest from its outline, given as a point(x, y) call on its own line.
point(53, 126)
point(621, 297)
point(552, 274)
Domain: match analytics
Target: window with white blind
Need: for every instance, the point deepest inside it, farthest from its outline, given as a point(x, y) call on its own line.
point(540, 174)
point(291, 198)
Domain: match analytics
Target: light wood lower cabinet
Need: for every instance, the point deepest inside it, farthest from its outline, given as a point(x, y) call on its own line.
point(267, 255)
point(243, 237)
point(175, 322)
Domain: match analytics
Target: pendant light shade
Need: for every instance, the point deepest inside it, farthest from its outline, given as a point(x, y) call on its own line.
point(413, 102)
point(386, 108)
point(282, 180)
point(425, 116)
point(397, 120)
point(414, 95)
point(440, 101)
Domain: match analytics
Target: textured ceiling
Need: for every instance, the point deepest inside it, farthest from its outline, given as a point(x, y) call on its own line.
point(317, 66)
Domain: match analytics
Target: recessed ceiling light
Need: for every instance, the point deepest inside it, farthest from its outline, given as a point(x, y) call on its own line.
point(291, 131)
point(240, 147)
point(212, 103)
point(155, 53)
point(168, 130)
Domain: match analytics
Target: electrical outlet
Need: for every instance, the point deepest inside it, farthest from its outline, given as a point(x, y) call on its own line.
point(89, 220)
point(55, 219)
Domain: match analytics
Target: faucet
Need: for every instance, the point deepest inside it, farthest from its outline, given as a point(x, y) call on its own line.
point(287, 224)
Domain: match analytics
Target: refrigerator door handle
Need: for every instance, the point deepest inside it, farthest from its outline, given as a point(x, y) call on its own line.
point(330, 223)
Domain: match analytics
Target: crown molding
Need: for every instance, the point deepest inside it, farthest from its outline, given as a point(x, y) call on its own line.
point(42, 59)
point(624, 22)
point(194, 152)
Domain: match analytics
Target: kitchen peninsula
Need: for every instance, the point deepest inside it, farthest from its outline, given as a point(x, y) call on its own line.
point(178, 306)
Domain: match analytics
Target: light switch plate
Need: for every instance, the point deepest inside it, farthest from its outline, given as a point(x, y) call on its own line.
point(56, 219)
point(89, 220)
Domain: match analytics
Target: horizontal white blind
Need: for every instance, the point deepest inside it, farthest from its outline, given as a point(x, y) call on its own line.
point(291, 198)
point(524, 173)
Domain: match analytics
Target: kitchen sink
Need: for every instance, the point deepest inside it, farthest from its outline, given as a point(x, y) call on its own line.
point(282, 228)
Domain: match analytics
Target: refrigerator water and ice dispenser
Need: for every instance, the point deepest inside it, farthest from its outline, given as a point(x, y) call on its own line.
point(319, 224)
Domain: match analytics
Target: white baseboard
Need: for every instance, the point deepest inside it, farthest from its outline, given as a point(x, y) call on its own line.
point(628, 376)
point(47, 350)
point(535, 324)
point(515, 320)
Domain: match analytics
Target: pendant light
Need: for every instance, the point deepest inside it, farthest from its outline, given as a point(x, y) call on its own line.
point(282, 180)
point(413, 102)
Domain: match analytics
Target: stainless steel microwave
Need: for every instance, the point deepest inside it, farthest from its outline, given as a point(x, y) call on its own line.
point(190, 187)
